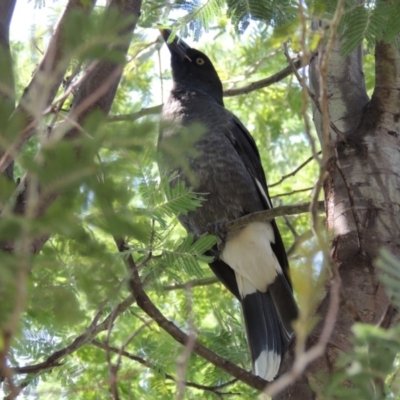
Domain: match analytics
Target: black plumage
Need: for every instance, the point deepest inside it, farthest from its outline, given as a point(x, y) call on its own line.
point(227, 170)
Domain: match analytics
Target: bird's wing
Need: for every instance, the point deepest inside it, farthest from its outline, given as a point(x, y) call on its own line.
point(246, 148)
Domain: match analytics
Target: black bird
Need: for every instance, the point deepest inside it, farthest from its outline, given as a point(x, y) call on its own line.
point(252, 263)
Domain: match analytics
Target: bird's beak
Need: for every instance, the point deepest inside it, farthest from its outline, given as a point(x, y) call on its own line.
point(177, 46)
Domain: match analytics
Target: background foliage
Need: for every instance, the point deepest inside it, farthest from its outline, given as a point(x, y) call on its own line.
point(114, 189)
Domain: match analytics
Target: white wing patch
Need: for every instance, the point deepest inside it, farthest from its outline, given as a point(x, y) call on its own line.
point(248, 252)
point(261, 189)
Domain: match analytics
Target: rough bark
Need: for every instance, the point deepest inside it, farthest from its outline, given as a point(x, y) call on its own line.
point(362, 199)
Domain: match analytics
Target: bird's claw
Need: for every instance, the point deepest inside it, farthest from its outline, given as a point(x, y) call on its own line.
point(218, 229)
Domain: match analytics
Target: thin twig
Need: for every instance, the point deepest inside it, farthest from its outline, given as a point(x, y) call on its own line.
point(58, 106)
point(290, 226)
point(303, 359)
point(294, 172)
point(313, 97)
point(292, 192)
point(97, 94)
point(306, 93)
point(185, 356)
point(193, 283)
point(128, 340)
point(70, 89)
point(326, 123)
point(359, 227)
point(160, 74)
point(150, 365)
point(304, 237)
point(111, 369)
point(150, 255)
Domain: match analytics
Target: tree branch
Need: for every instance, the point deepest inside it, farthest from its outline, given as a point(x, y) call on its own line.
point(155, 110)
point(284, 73)
point(264, 215)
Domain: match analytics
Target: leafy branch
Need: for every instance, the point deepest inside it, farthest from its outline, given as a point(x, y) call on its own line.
point(145, 303)
point(215, 389)
point(55, 359)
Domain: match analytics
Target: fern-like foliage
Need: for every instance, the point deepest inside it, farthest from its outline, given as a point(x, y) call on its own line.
point(372, 21)
point(200, 14)
point(364, 372)
point(185, 257)
point(164, 201)
point(390, 266)
point(180, 258)
point(274, 13)
point(179, 199)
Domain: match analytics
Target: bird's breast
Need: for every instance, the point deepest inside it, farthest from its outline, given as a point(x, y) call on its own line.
point(216, 169)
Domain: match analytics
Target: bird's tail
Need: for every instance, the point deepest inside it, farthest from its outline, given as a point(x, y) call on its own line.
point(268, 327)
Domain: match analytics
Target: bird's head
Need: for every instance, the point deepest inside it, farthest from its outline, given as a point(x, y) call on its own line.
point(192, 68)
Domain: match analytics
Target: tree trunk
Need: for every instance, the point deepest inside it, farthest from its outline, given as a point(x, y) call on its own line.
point(362, 196)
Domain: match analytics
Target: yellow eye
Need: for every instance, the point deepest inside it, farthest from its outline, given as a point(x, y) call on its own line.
point(199, 61)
